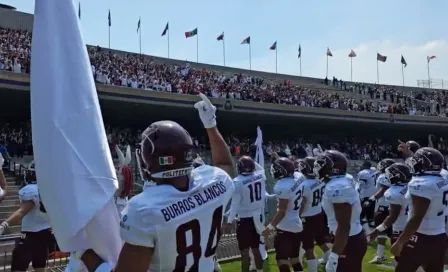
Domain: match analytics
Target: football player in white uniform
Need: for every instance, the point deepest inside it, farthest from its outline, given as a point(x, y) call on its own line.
point(286, 221)
point(342, 205)
point(176, 225)
point(248, 203)
point(381, 209)
point(423, 241)
point(313, 219)
point(398, 175)
point(366, 181)
point(36, 236)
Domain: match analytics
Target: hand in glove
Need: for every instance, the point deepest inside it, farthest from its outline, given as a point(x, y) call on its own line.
point(206, 111)
point(3, 226)
point(2, 161)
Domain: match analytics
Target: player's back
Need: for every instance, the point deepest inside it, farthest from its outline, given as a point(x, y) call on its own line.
point(434, 188)
point(182, 227)
point(396, 195)
point(313, 190)
point(366, 179)
point(252, 190)
point(34, 220)
point(290, 189)
point(341, 190)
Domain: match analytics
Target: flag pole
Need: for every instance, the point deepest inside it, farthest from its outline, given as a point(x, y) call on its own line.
point(224, 51)
point(429, 78)
point(109, 36)
point(327, 67)
point(300, 65)
point(276, 62)
point(402, 72)
point(140, 38)
point(168, 38)
point(197, 47)
point(250, 57)
point(377, 73)
point(351, 69)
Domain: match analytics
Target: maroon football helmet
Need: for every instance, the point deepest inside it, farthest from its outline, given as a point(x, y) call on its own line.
point(329, 164)
point(282, 168)
point(166, 150)
point(245, 165)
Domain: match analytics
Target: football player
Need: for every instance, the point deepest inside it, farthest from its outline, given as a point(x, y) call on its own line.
point(36, 236)
point(175, 225)
point(366, 182)
point(248, 202)
point(381, 209)
point(286, 221)
point(311, 213)
point(398, 175)
point(342, 206)
point(423, 241)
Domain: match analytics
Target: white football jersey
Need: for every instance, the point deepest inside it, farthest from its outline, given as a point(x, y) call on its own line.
point(290, 189)
point(182, 227)
point(313, 190)
point(396, 195)
point(381, 180)
point(434, 188)
point(341, 190)
point(34, 220)
point(366, 180)
point(249, 197)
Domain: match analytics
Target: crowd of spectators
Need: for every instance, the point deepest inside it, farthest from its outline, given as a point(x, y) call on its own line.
point(135, 71)
point(17, 138)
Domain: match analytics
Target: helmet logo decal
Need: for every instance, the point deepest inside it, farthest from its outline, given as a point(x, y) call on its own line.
point(168, 160)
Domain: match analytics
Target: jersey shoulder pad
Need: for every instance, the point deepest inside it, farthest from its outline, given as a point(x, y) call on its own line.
point(341, 192)
point(282, 188)
point(394, 195)
point(382, 180)
point(363, 174)
point(207, 175)
point(139, 219)
point(299, 176)
point(29, 192)
point(419, 187)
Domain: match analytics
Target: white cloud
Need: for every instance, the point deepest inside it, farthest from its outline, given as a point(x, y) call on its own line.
point(364, 65)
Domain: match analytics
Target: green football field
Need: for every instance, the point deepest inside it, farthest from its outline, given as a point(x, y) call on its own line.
point(235, 266)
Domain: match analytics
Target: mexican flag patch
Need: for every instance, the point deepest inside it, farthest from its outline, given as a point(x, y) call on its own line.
point(166, 160)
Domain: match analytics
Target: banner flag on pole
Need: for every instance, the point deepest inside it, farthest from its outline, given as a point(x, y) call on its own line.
point(77, 178)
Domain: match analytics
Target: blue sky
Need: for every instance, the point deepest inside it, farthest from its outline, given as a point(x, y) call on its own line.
point(414, 28)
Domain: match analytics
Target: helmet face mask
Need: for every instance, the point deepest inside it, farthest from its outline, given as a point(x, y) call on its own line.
point(330, 163)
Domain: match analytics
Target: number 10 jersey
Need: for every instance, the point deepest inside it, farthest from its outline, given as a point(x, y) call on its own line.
point(182, 227)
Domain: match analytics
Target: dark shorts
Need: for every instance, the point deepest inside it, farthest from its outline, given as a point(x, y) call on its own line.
point(31, 247)
point(314, 230)
point(351, 258)
point(246, 234)
point(368, 212)
point(287, 244)
point(379, 218)
point(427, 251)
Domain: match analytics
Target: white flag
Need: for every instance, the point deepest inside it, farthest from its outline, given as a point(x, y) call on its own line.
point(259, 155)
point(76, 176)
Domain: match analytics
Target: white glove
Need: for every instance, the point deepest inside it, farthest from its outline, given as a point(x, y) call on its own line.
point(3, 226)
point(332, 263)
point(206, 111)
point(2, 161)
